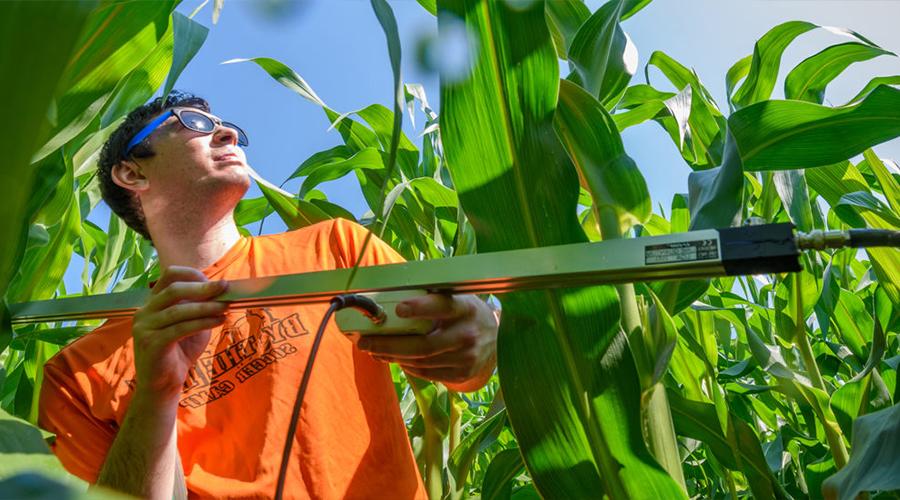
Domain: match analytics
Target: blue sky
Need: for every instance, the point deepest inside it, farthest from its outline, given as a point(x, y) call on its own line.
point(339, 48)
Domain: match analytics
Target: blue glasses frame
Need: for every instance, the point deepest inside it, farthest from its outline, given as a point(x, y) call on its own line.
point(191, 119)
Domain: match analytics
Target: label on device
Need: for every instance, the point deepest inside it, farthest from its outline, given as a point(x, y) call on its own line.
point(686, 251)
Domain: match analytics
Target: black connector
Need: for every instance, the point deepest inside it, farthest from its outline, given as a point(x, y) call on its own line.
point(760, 249)
point(363, 304)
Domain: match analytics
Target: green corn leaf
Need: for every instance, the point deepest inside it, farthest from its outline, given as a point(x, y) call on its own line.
point(118, 38)
point(889, 185)
point(716, 195)
point(466, 451)
point(632, 7)
point(807, 82)
point(498, 480)
point(285, 76)
point(519, 190)
point(735, 75)
point(368, 158)
point(703, 126)
point(792, 189)
point(850, 401)
point(250, 210)
point(337, 153)
point(873, 84)
point(136, 88)
point(864, 206)
point(41, 40)
point(189, 37)
point(590, 136)
point(854, 323)
point(23, 449)
point(698, 420)
point(843, 187)
point(789, 134)
point(763, 72)
point(564, 18)
point(115, 253)
point(382, 120)
point(873, 465)
point(43, 268)
point(429, 5)
point(601, 54)
point(294, 212)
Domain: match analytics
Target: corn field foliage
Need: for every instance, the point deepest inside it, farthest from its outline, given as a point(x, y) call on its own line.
point(774, 386)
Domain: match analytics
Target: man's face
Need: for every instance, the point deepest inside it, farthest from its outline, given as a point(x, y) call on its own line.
point(189, 165)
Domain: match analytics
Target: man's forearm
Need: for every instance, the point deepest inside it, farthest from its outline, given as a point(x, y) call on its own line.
point(143, 457)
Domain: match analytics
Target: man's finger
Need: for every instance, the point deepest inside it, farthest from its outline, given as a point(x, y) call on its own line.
point(186, 328)
point(171, 274)
point(435, 306)
point(181, 290)
point(408, 346)
point(179, 313)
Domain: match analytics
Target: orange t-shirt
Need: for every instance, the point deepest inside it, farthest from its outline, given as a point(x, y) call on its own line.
point(235, 407)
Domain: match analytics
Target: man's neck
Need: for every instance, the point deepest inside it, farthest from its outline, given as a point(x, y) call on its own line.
point(193, 243)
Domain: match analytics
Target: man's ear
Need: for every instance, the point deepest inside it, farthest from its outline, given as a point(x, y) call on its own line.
point(128, 174)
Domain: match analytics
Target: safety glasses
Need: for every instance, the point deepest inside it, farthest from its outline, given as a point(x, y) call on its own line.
point(192, 120)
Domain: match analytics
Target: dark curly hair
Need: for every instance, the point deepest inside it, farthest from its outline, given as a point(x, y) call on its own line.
point(122, 201)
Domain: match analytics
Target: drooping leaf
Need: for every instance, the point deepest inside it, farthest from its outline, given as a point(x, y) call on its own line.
point(740, 450)
point(775, 135)
point(498, 479)
point(595, 147)
point(760, 79)
point(369, 158)
point(873, 84)
point(189, 37)
point(735, 75)
point(564, 17)
point(873, 465)
point(705, 123)
point(601, 55)
point(716, 195)
point(808, 80)
point(283, 75)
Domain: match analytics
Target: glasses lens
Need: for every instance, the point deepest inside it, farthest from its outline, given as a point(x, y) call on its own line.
point(242, 137)
point(197, 121)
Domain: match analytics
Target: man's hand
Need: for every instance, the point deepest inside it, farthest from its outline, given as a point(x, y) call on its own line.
point(170, 332)
point(172, 329)
point(460, 351)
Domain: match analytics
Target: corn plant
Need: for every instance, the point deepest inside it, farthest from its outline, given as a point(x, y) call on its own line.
point(772, 386)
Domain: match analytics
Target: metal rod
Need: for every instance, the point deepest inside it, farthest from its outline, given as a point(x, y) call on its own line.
point(696, 254)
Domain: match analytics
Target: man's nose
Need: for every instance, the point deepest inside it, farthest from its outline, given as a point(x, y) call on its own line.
point(225, 135)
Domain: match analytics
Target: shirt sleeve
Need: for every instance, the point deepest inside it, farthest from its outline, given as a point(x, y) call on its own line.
point(349, 237)
point(82, 440)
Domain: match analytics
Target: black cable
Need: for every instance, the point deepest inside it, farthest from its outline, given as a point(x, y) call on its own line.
point(861, 238)
point(374, 312)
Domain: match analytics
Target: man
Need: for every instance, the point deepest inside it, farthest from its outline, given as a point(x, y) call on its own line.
point(188, 379)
